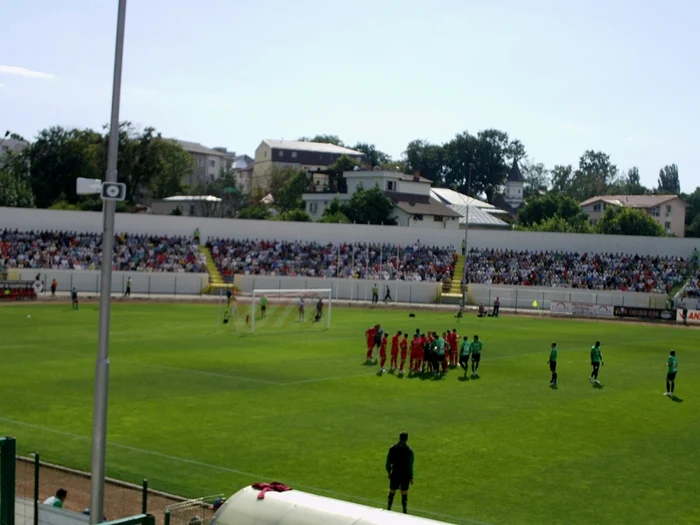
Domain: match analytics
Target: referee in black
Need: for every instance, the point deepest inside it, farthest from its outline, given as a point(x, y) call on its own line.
point(399, 467)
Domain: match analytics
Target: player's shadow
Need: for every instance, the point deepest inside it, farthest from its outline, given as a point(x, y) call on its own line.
point(598, 386)
point(675, 399)
point(463, 379)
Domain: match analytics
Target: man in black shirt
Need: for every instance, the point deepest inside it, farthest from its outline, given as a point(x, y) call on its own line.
point(399, 467)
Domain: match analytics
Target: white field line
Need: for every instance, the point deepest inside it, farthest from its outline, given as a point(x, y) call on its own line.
point(258, 477)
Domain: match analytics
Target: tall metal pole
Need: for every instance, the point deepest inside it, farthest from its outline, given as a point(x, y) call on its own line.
point(99, 429)
point(466, 240)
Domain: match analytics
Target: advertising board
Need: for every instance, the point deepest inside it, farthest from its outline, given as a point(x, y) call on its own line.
point(581, 309)
point(691, 316)
point(651, 314)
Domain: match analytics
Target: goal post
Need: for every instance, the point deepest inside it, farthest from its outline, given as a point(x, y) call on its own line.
point(293, 298)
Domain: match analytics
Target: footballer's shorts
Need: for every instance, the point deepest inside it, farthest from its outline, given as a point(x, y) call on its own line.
point(671, 376)
point(553, 366)
point(476, 357)
point(464, 361)
point(399, 483)
point(595, 365)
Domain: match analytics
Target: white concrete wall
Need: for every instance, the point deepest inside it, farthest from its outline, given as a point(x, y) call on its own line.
point(416, 188)
point(522, 297)
point(88, 281)
point(344, 289)
point(28, 219)
point(24, 514)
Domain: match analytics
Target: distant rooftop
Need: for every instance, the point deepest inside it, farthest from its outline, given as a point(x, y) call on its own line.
point(316, 147)
point(196, 147)
point(192, 198)
point(479, 216)
point(632, 201)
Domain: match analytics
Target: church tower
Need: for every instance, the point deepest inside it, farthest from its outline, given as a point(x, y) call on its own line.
point(514, 186)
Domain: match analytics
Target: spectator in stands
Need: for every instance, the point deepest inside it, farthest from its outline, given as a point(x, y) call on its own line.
point(58, 500)
point(76, 251)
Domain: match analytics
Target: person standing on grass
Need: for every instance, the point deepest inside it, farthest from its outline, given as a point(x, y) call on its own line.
point(127, 293)
point(375, 294)
point(399, 467)
point(596, 362)
point(74, 298)
point(263, 307)
point(393, 365)
point(382, 352)
point(302, 316)
point(553, 354)
point(672, 365)
point(475, 351)
point(58, 500)
point(404, 351)
point(464, 355)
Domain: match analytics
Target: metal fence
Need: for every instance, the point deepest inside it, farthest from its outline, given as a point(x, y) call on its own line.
point(7, 481)
point(198, 511)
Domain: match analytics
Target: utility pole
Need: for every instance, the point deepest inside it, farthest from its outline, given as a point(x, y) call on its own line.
point(466, 239)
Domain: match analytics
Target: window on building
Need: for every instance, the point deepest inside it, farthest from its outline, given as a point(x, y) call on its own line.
point(519, 190)
point(668, 210)
point(437, 218)
point(294, 154)
point(656, 211)
point(596, 207)
point(667, 225)
point(390, 185)
point(212, 163)
point(280, 153)
point(418, 217)
point(200, 162)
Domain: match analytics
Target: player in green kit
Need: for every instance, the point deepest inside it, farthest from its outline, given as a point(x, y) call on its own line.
point(464, 355)
point(596, 362)
point(475, 351)
point(263, 306)
point(440, 356)
point(553, 354)
point(672, 365)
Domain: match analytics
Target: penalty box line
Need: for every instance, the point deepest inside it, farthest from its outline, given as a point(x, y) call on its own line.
point(228, 469)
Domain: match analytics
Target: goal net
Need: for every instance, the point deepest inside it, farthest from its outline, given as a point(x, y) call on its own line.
point(279, 308)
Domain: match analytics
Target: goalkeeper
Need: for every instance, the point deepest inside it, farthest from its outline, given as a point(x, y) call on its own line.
point(319, 310)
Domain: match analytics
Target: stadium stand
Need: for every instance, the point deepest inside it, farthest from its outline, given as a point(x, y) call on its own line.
point(574, 270)
point(369, 261)
point(76, 251)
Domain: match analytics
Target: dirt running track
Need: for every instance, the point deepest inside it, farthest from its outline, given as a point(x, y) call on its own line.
point(120, 501)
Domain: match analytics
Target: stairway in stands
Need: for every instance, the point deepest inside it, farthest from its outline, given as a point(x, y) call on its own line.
point(454, 295)
point(215, 279)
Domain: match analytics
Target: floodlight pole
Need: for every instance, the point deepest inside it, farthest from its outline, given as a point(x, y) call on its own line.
point(466, 240)
point(99, 429)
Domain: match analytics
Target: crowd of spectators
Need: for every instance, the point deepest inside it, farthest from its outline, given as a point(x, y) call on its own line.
point(578, 270)
point(415, 262)
point(83, 251)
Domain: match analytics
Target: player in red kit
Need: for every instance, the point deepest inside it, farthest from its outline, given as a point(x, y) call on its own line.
point(370, 333)
point(454, 351)
point(404, 351)
point(382, 352)
point(394, 352)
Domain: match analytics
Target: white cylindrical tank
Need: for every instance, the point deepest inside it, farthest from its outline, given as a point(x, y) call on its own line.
point(301, 508)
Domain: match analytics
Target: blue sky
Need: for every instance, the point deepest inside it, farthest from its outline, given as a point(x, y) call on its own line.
point(562, 76)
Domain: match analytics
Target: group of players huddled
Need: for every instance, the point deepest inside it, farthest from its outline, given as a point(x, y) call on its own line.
point(431, 353)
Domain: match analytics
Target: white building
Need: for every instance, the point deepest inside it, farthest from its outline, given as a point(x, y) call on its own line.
point(208, 163)
point(413, 204)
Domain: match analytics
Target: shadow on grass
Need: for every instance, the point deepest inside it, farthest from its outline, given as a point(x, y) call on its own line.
point(675, 399)
point(598, 386)
point(463, 379)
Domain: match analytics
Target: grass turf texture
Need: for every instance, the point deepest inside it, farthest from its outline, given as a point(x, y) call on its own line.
point(200, 411)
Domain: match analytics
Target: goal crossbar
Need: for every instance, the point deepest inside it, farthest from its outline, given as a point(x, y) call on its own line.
point(290, 296)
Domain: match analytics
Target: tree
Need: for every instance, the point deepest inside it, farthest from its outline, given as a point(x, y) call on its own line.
point(288, 197)
point(336, 181)
point(370, 206)
point(551, 209)
point(294, 216)
point(373, 156)
point(258, 212)
point(324, 138)
point(225, 188)
point(333, 213)
point(15, 188)
point(559, 224)
point(536, 178)
point(490, 164)
point(58, 157)
point(424, 158)
point(692, 214)
point(169, 165)
point(562, 178)
point(458, 158)
point(620, 220)
point(594, 175)
point(669, 183)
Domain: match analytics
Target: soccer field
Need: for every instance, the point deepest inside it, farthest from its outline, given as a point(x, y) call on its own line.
point(200, 411)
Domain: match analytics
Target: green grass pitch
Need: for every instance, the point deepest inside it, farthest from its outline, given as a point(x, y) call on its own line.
point(199, 411)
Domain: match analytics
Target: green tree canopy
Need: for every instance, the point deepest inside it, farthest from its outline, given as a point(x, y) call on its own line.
point(619, 220)
point(333, 213)
point(15, 187)
point(669, 182)
point(324, 138)
point(373, 156)
point(336, 181)
point(370, 206)
point(552, 206)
